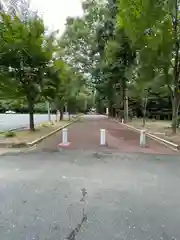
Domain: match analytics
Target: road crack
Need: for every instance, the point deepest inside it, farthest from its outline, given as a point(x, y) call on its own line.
point(72, 235)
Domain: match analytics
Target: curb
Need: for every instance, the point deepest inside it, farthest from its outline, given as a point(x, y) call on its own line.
point(31, 144)
point(172, 145)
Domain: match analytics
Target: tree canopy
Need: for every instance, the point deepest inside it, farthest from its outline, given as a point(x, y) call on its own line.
point(119, 55)
point(128, 52)
point(31, 67)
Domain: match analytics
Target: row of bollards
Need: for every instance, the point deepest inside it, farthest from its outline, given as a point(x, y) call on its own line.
point(102, 138)
point(65, 137)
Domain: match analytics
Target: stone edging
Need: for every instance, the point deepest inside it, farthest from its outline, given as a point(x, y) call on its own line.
point(158, 139)
point(30, 144)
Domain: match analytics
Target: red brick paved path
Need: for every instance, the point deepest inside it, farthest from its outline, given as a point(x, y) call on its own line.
point(85, 135)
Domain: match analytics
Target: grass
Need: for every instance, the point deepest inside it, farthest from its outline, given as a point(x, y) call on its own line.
point(25, 135)
point(158, 128)
point(9, 134)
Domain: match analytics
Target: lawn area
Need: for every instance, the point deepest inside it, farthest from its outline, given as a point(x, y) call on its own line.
point(158, 128)
point(26, 136)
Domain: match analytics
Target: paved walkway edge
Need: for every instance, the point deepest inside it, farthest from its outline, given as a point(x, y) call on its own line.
point(172, 145)
point(31, 144)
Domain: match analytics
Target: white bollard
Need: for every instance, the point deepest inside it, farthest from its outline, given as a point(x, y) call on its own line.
point(107, 111)
point(122, 120)
point(64, 136)
point(143, 138)
point(64, 142)
point(102, 137)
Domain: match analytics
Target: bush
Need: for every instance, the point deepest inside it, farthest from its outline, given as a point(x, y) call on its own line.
point(9, 134)
point(44, 125)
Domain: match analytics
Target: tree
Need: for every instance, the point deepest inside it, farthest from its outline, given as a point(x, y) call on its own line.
point(25, 54)
point(116, 59)
point(78, 41)
point(155, 34)
point(62, 84)
point(77, 46)
point(120, 58)
point(94, 46)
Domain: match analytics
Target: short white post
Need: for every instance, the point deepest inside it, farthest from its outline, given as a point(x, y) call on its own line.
point(122, 121)
point(102, 137)
point(64, 142)
point(143, 138)
point(107, 111)
point(64, 136)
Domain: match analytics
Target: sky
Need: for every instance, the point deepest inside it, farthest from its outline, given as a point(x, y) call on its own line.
point(55, 12)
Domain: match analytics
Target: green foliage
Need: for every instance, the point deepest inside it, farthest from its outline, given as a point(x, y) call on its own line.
point(62, 84)
point(44, 125)
point(153, 29)
point(25, 53)
point(35, 66)
point(118, 50)
point(9, 134)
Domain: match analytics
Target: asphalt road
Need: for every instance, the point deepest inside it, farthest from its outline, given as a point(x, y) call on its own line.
point(129, 196)
point(88, 193)
point(13, 121)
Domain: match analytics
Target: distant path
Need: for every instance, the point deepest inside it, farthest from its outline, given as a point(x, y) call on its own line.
point(13, 121)
point(85, 135)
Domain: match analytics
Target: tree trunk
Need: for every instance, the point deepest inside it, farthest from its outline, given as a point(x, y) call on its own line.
point(110, 109)
point(69, 115)
point(61, 114)
point(114, 112)
point(126, 111)
point(49, 111)
point(175, 110)
point(31, 115)
point(174, 120)
point(175, 99)
point(144, 111)
point(85, 105)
